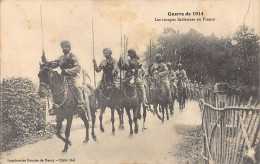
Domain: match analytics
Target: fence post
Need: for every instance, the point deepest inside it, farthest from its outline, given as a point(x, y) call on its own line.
point(220, 91)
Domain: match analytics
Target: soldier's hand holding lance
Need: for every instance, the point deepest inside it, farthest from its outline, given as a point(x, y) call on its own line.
point(95, 64)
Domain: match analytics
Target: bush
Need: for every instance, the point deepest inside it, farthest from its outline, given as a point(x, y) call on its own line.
point(23, 112)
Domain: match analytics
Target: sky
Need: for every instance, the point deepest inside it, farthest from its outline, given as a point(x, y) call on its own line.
point(24, 35)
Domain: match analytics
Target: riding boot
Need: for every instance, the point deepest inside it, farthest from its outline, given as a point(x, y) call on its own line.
point(168, 89)
point(97, 98)
point(142, 100)
point(79, 98)
point(53, 110)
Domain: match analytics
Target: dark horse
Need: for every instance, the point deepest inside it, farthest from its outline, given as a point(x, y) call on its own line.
point(66, 103)
point(130, 100)
point(181, 94)
point(108, 97)
point(174, 96)
point(159, 97)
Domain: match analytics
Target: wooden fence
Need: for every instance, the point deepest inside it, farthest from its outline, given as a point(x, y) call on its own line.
point(230, 123)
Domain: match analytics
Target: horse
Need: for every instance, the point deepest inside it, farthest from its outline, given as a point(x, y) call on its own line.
point(174, 96)
point(64, 97)
point(108, 97)
point(160, 97)
point(130, 100)
point(181, 94)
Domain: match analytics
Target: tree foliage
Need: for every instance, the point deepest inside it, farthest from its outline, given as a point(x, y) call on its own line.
point(23, 112)
point(211, 59)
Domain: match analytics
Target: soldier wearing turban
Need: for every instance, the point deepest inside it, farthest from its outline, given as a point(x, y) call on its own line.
point(159, 71)
point(133, 68)
point(70, 67)
point(110, 71)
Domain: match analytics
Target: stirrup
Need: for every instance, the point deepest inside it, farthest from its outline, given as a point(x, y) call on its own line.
point(52, 112)
point(145, 104)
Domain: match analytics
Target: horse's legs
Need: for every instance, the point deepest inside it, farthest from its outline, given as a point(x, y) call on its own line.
point(163, 107)
point(155, 108)
point(130, 119)
point(167, 114)
point(93, 115)
point(102, 110)
point(84, 119)
point(59, 121)
point(92, 105)
point(144, 115)
point(120, 114)
point(113, 119)
point(67, 133)
point(171, 108)
point(184, 100)
point(173, 100)
point(135, 113)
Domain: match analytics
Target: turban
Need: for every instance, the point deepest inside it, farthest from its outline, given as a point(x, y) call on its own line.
point(107, 50)
point(158, 57)
point(131, 51)
point(65, 43)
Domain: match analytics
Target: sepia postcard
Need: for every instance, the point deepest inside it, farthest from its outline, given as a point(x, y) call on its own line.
point(120, 81)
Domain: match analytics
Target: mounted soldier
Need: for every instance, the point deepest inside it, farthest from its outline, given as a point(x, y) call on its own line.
point(107, 65)
point(159, 72)
point(133, 68)
point(181, 73)
point(171, 74)
point(108, 92)
point(71, 68)
point(181, 77)
point(161, 94)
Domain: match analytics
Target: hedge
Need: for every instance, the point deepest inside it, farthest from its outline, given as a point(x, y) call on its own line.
point(23, 112)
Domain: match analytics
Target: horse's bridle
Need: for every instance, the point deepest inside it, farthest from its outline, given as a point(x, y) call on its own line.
point(107, 98)
point(131, 98)
point(64, 90)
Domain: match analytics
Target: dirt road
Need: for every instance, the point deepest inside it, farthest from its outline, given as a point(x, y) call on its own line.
point(153, 145)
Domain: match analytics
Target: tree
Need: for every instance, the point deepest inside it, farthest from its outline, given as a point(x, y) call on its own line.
point(246, 55)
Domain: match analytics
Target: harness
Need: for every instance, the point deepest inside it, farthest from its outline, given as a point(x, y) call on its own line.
point(105, 97)
point(134, 96)
point(63, 89)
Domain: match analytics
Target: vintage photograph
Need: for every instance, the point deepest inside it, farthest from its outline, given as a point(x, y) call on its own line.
point(130, 82)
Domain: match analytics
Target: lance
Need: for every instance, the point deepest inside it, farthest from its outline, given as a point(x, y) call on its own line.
point(150, 50)
point(150, 62)
point(126, 46)
point(42, 29)
point(121, 55)
point(93, 52)
point(43, 53)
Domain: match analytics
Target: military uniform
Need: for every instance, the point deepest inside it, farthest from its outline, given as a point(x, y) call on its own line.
point(160, 72)
point(133, 70)
point(181, 74)
point(70, 67)
point(108, 65)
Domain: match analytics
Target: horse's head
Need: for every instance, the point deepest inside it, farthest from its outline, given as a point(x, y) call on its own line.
point(46, 76)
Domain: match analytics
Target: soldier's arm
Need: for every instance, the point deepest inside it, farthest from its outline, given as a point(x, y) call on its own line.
point(55, 63)
point(138, 64)
point(123, 65)
point(100, 67)
point(165, 71)
point(116, 69)
point(76, 67)
point(184, 74)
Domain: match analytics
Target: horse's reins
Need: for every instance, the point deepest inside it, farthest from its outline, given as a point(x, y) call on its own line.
point(64, 90)
point(107, 98)
point(131, 98)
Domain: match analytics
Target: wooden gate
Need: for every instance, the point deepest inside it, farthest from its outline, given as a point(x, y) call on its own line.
point(230, 124)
